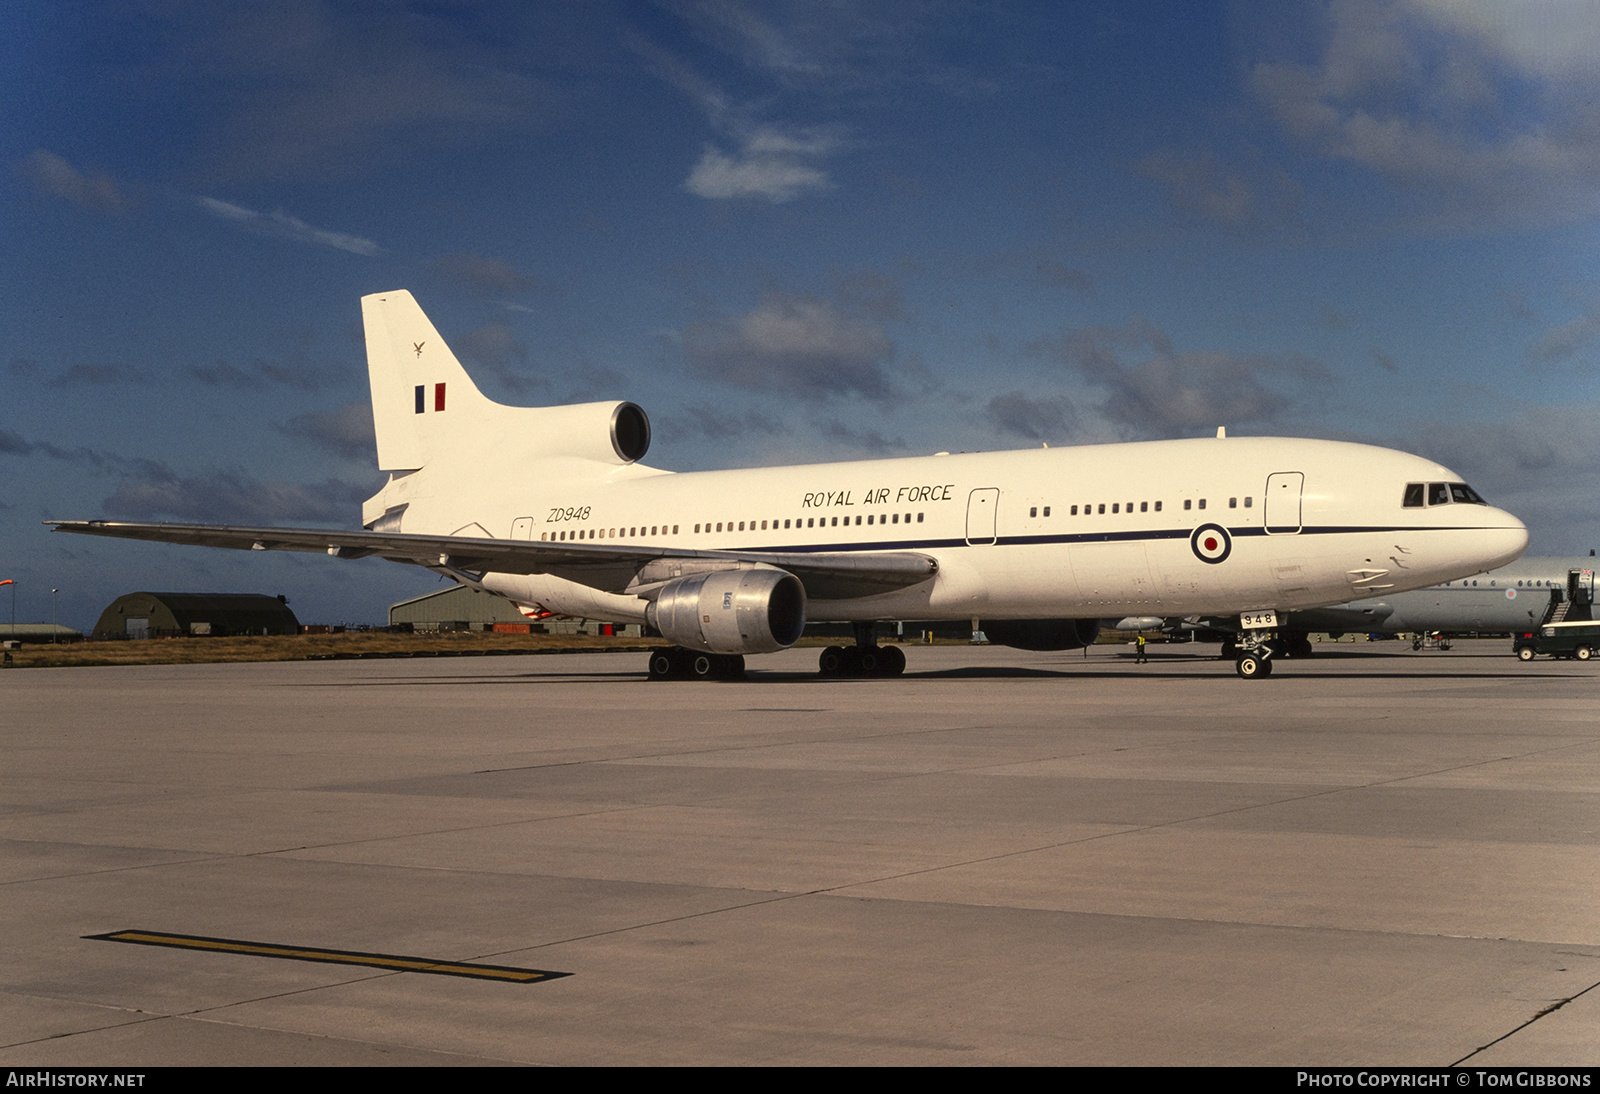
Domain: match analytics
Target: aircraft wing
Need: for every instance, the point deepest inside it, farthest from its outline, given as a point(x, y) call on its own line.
point(827, 575)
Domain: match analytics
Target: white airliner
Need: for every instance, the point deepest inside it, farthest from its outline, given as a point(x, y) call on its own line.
point(550, 508)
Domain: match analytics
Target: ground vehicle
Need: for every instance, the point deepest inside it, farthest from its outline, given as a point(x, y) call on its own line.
point(1578, 639)
point(1567, 629)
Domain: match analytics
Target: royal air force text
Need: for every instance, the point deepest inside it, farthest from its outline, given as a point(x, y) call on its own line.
point(879, 495)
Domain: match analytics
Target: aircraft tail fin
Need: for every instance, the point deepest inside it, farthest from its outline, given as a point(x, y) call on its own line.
point(422, 398)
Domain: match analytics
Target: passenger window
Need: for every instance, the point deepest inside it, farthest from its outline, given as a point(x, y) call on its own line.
point(1102, 508)
point(1202, 503)
point(1413, 497)
point(919, 518)
point(1144, 507)
point(1248, 502)
point(1047, 510)
point(1033, 512)
point(1158, 507)
point(1187, 503)
point(1233, 503)
point(1114, 507)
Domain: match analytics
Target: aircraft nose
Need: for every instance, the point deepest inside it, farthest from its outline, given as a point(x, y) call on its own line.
point(1503, 538)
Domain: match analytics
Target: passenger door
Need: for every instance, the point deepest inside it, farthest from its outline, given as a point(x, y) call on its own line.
point(982, 505)
point(1282, 516)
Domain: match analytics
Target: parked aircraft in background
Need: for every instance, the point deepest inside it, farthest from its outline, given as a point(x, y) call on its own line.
point(550, 508)
point(1510, 599)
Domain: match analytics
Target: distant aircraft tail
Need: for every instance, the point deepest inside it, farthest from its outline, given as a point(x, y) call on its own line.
point(422, 398)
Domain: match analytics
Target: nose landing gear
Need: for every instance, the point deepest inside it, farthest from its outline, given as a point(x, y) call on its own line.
point(1256, 645)
point(1253, 665)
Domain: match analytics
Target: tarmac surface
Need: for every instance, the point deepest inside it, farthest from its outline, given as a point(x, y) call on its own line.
point(1373, 857)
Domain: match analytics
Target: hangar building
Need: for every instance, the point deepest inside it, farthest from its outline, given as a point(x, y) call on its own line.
point(168, 615)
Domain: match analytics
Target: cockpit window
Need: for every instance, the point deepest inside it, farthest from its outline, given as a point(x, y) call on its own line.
point(1441, 493)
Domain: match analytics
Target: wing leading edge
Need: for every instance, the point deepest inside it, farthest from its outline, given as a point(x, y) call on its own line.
point(613, 568)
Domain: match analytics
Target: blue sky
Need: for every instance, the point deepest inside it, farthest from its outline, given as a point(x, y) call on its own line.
point(792, 232)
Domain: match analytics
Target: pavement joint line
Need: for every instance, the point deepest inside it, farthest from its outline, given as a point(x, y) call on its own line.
point(882, 778)
point(208, 1015)
point(208, 857)
point(1550, 1009)
point(142, 1019)
point(751, 746)
point(1133, 830)
point(359, 958)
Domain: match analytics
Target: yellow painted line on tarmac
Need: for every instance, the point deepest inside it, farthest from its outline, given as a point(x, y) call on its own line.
point(397, 962)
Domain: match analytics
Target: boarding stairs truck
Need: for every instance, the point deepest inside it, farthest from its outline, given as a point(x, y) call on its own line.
point(1568, 628)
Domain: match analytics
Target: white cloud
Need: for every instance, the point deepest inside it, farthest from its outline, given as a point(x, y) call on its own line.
point(772, 165)
point(154, 490)
point(1549, 38)
point(1157, 391)
point(1201, 184)
point(802, 345)
point(1483, 113)
point(90, 190)
point(486, 276)
point(347, 431)
point(1562, 342)
point(284, 226)
point(1038, 419)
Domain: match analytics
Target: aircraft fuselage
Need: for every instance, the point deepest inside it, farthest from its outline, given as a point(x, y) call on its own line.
point(1165, 527)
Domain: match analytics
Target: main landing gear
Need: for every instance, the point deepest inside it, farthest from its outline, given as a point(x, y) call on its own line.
point(865, 658)
point(677, 663)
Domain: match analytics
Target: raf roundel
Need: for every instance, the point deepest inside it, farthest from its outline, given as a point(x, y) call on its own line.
point(1211, 543)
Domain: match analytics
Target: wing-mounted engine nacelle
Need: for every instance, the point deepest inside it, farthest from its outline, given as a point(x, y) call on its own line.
point(1042, 634)
point(731, 611)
